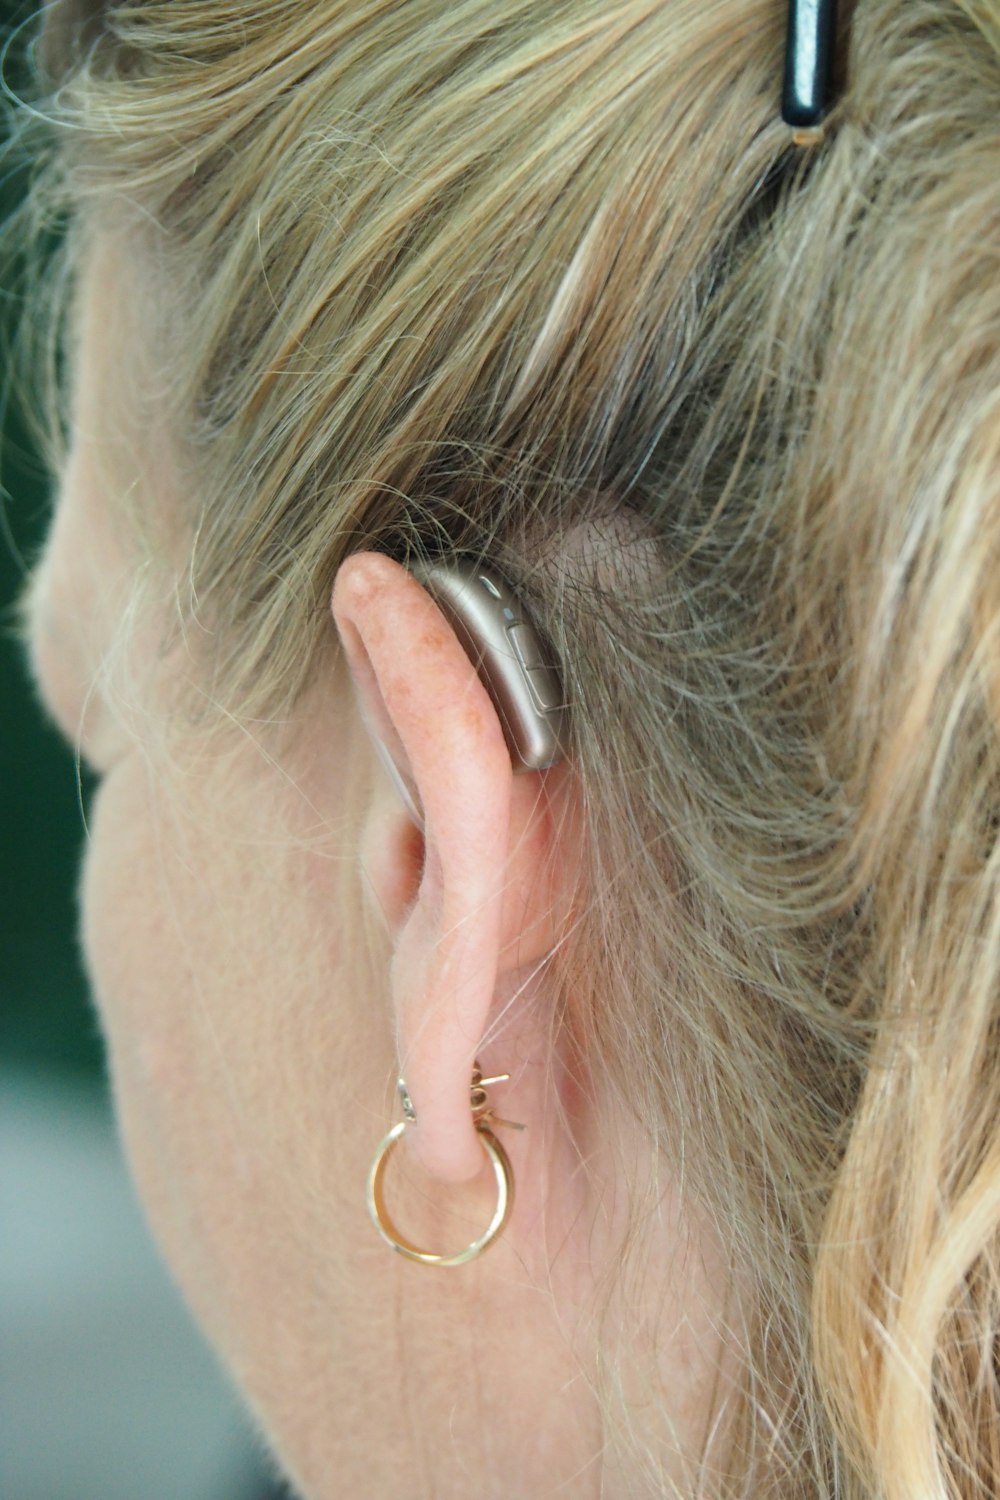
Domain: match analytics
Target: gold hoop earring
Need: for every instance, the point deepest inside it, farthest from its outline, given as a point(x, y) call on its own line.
point(484, 1118)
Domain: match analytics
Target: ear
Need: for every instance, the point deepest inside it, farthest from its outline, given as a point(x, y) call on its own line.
point(466, 864)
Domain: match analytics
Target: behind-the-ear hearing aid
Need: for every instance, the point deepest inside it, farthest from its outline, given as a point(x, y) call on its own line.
point(513, 665)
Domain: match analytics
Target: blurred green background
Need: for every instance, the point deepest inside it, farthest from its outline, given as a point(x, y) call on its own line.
point(107, 1391)
point(47, 1017)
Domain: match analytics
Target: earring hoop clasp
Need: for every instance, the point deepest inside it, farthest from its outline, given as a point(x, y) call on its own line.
point(484, 1117)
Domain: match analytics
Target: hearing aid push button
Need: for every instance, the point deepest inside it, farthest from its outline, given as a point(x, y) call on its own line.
point(543, 681)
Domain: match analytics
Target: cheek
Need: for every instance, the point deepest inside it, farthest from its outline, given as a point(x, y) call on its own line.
point(244, 1057)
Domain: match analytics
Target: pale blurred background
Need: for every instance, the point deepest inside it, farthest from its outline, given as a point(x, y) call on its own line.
point(106, 1389)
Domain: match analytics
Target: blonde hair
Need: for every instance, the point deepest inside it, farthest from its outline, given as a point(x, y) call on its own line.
point(436, 280)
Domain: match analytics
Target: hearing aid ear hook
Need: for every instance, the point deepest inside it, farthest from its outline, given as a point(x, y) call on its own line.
point(514, 666)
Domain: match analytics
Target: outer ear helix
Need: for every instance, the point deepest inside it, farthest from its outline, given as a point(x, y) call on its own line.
point(487, 896)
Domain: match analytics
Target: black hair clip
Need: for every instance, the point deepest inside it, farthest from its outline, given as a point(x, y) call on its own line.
point(809, 53)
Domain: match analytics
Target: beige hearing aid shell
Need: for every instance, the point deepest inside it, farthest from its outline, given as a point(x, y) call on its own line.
point(513, 664)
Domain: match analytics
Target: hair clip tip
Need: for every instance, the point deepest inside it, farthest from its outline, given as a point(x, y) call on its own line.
point(808, 135)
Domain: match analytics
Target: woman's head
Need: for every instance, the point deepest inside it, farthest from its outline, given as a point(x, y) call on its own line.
point(367, 286)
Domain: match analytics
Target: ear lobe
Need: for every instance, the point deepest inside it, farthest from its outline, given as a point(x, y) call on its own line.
point(480, 895)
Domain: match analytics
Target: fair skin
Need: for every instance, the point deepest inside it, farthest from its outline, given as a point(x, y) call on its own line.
point(271, 942)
